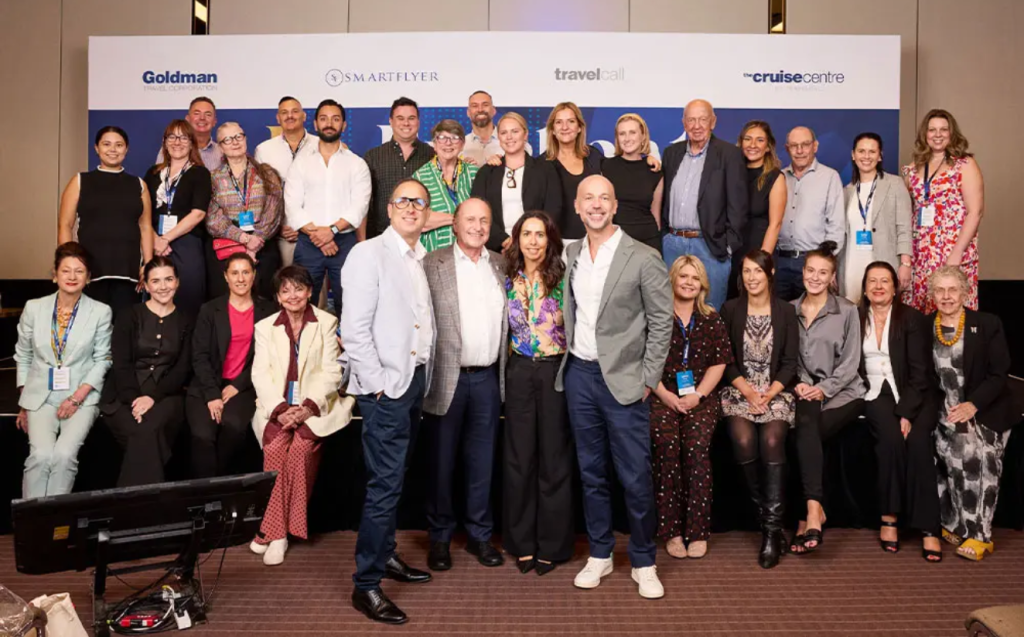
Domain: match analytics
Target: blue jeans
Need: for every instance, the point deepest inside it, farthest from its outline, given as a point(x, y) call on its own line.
point(310, 257)
point(789, 277)
point(608, 433)
point(389, 426)
point(673, 247)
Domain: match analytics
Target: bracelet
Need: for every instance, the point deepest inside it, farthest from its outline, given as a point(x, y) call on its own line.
point(74, 402)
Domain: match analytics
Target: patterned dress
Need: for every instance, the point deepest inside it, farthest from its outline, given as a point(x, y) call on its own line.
point(933, 244)
point(758, 341)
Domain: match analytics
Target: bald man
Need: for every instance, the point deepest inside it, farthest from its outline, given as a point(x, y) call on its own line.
point(706, 205)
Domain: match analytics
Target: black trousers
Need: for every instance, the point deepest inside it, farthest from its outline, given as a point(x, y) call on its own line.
point(268, 263)
point(147, 445)
point(117, 293)
point(815, 426)
point(907, 477)
point(214, 445)
point(537, 464)
point(188, 253)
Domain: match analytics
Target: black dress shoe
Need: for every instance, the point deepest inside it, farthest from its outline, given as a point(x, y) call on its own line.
point(525, 566)
point(485, 553)
point(399, 571)
point(377, 606)
point(543, 568)
point(440, 558)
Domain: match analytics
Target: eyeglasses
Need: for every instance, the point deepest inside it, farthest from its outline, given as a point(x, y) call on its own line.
point(510, 179)
point(403, 202)
point(447, 139)
point(177, 138)
point(234, 139)
point(800, 146)
point(703, 121)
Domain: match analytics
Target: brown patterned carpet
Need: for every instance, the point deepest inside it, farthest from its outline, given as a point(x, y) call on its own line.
point(848, 587)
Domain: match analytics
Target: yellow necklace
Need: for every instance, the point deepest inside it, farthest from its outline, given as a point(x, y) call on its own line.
point(959, 329)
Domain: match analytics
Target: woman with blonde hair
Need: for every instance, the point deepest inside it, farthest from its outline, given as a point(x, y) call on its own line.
point(684, 415)
point(638, 189)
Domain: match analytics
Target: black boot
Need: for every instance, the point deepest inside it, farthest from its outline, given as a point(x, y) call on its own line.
point(751, 475)
point(773, 540)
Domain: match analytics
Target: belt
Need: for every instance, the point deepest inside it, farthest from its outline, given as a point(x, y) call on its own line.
point(553, 358)
point(791, 254)
point(688, 234)
point(476, 370)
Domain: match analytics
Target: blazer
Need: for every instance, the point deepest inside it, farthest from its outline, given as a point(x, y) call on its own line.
point(910, 356)
point(444, 296)
point(889, 220)
point(210, 341)
point(785, 340)
point(986, 368)
point(122, 385)
point(378, 323)
point(541, 191)
point(86, 354)
point(319, 373)
point(723, 205)
point(635, 318)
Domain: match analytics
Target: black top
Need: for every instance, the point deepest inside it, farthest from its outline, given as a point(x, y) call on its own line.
point(910, 355)
point(572, 226)
point(757, 223)
point(192, 193)
point(109, 207)
point(210, 343)
point(785, 340)
point(156, 350)
point(541, 190)
point(388, 166)
point(634, 183)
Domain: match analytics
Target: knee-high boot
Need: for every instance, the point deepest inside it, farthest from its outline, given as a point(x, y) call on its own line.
point(752, 476)
point(773, 540)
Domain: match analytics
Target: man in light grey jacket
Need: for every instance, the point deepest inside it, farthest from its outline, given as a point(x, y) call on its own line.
point(618, 324)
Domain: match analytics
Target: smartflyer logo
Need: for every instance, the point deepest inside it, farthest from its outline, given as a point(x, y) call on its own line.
point(178, 81)
point(590, 75)
point(792, 77)
point(337, 77)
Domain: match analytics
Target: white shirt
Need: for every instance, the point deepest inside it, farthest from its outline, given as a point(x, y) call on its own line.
point(413, 260)
point(321, 193)
point(511, 199)
point(479, 152)
point(876, 359)
point(587, 286)
point(481, 308)
point(276, 152)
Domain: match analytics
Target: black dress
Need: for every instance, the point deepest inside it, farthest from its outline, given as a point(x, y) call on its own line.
point(572, 226)
point(757, 222)
point(635, 183)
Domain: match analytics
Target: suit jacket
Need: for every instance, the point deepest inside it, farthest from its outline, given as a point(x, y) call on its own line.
point(444, 296)
point(86, 354)
point(785, 340)
point(723, 204)
point(378, 324)
point(910, 355)
point(889, 220)
point(210, 341)
point(540, 187)
point(319, 373)
point(986, 368)
point(634, 320)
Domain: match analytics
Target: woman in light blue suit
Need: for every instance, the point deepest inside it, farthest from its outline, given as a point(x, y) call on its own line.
point(63, 353)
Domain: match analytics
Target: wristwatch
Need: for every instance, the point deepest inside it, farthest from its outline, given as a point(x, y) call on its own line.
point(334, 229)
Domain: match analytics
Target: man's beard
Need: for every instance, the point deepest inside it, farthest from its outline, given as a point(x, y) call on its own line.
point(330, 139)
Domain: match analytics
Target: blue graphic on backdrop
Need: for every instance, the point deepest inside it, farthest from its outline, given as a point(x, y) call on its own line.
point(835, 129)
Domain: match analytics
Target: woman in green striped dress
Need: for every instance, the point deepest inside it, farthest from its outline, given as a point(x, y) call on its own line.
point(449, 180)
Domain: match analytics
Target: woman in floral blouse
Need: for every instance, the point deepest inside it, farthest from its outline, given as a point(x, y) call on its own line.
point(538, 453)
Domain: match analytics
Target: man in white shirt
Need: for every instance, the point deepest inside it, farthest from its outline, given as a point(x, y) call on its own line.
point(387, 329)
point(618, 324)
point(326, 197)
point(464, 402)
point(280, 152)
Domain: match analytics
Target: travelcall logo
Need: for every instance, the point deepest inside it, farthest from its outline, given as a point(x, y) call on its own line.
point(337, 77)
point(790, 77)
point(590, 75)
point(178, 81)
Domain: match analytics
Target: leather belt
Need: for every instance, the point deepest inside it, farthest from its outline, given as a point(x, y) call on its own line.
point(476, 370)
point(791, 254)
point(688, 234)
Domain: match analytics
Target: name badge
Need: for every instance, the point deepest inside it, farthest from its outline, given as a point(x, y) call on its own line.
point(864, 240)
point(926, 216)
point(247, 221)
point(293, 393)
point(60, 378)
point(166, 224)
point(684, 383)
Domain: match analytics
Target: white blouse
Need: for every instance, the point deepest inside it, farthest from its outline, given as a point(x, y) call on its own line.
point(511, 199)
point(876, 359)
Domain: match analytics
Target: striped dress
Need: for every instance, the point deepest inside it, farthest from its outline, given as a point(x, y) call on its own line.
point(444, 198)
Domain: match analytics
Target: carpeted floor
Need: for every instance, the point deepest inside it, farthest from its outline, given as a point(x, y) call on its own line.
point(848, 587)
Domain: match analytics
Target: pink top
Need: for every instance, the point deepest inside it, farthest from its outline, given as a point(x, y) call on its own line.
point(242, 328)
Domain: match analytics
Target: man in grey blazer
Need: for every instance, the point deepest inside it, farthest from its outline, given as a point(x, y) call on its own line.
point(618, 324)
point(466, 391)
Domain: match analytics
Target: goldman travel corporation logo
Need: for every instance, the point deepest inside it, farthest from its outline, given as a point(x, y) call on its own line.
point(178, 81)
point(337, 77)
point(795, 77)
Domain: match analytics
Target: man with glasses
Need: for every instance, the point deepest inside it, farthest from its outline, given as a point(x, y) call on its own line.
point(388, 331)
point(814, 212)
point(705, 207)
point(326, 197)
point(202, 116)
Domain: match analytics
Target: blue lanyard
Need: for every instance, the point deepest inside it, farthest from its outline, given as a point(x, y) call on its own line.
point(58, 345)
point(928, 182)
point(243, 191)
point(169, 188)
point(687, 331)
point(865, 207)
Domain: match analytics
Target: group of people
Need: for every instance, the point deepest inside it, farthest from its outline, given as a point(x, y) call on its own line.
point(615, 310)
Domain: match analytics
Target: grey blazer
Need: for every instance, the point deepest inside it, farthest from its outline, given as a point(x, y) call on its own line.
point(634, 319)
point(444, 294)
point(889, 220)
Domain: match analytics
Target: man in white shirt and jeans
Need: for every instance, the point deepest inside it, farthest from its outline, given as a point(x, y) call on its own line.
point(326, 197)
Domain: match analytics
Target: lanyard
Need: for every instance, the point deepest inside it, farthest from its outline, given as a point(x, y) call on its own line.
point(169, 188)
point(865, 207)
point(246, 187)
point(452, 188)
point(58, 345)
point(298, 146)
point(686, 330)
point(928, 182)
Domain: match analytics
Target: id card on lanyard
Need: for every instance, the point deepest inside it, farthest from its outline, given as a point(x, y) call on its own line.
point(926, 214)
point(684, 379)
point(60, 376)
point(863, 238)
point(246, 218)
point(293, 385)
point(168, 221)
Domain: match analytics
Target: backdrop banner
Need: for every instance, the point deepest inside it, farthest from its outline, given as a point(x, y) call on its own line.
point(837, 85)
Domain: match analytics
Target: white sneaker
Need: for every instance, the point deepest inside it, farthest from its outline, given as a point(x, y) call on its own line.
point(257, 548)
point(650, 585)
point(590, 576)
point(275, 552)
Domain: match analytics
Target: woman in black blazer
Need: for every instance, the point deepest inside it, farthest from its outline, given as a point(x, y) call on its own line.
point(901, 408)
point(143, 399)
point(757, 407)
point(519, 183)
point(972, 361)
point(221, 400)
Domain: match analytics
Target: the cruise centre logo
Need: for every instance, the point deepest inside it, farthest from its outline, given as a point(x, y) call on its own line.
point(178, 81)
point(795, 77)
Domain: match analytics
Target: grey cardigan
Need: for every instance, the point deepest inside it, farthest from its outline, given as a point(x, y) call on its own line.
point(890, 221)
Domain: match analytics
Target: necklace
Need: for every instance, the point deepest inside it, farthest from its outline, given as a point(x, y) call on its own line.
point(959, 330)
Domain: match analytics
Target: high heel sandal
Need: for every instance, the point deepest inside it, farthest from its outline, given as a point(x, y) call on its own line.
point(928, 554)
point(890, 546)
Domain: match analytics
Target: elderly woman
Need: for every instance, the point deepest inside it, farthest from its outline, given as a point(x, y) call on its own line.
point(246, 210)
point(972, 361)
point(62, 355)
point(448, 179)
point(296, 375)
